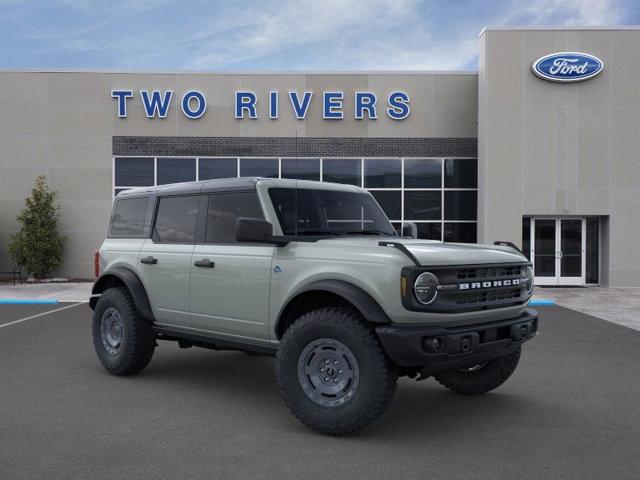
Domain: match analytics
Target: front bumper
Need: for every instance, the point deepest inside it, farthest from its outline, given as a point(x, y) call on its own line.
point(455, 347)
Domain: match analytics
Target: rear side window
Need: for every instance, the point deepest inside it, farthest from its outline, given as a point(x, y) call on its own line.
point(176, 219)
point(128, 219)
point(224, 210)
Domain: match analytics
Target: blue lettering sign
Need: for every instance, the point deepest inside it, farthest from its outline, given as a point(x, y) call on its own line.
point(332, 105)
point(200, 100)
point(156, 105)
point(246, 101)
point(365, 101)
point(300, 108)
point(122, 96)
point(273, 105)
point(398, 105)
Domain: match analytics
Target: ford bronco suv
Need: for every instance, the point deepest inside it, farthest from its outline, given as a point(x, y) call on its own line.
point(314, 274)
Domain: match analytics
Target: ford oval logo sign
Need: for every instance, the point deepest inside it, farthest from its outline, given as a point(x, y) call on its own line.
point(567, 66)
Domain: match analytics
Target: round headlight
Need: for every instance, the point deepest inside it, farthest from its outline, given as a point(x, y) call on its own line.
point(426, 288)
point(529, 273)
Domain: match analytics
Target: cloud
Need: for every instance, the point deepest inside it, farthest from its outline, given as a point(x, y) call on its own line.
point(384, 35)
point(568, 12)
point(284, 34)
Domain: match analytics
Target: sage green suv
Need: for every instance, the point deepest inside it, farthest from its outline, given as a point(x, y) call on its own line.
point(314, 274)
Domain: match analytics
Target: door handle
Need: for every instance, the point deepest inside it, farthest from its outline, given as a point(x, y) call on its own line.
point(149, 260)
point(204, 263)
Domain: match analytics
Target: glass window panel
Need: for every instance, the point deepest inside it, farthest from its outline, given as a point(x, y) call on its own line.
point(391, 203)
point(571, 248)
point(545, 248)
point(176, 170)
point(118, 190)
point(224, 210)
point(422, 205)
point(129, 217)
point(211, 168)
point(422, 173)
point(382, 173)
point(259, 167)
point(593, 240)
point(301, 168)
point(460, 205)
point(460, 232)
point(397, 226)
point(134, 172)
point(430, 231)
point(338, 170)
point(176, 219)
point(460, 173)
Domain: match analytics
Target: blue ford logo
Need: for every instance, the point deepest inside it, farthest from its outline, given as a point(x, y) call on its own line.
point(567, 66)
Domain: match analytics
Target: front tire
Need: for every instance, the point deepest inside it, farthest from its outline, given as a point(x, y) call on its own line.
point(333, 373)
point(482, 378)
point(123, 340)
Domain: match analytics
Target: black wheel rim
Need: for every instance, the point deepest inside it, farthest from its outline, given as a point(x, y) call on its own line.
point(328, 372)
point(112, 330)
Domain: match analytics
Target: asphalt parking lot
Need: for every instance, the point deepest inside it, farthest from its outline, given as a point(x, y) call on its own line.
point(571, 410)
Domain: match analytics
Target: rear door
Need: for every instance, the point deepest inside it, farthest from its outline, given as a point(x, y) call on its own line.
point(164, 263)
point(230, 280)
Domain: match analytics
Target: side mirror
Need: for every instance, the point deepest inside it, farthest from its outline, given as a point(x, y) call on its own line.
point(409, 230)
point(254, 230)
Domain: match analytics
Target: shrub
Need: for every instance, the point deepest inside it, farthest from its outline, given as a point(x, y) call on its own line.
point(38, 246)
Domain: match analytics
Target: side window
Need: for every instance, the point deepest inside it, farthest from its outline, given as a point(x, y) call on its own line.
point(224, 210)
point(129, 215)
point(176, 219)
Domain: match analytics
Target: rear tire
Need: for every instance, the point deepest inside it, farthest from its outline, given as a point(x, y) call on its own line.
point(333, 373)
point(481, 378)
point(123, 340)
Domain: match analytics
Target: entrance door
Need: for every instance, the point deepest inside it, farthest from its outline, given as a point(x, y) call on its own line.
point(558, 250)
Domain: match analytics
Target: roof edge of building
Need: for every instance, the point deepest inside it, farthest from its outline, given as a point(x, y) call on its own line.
point(560, 27)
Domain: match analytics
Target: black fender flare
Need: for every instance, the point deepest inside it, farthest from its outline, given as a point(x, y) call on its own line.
point(132, 282)
point(361, 300)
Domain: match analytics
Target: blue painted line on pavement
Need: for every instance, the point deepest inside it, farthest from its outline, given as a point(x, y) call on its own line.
point(27, 301)
point(541, 302)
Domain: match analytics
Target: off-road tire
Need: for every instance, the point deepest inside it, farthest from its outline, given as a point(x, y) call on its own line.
point(487, 378)
point(377, 375)
point(138, 340)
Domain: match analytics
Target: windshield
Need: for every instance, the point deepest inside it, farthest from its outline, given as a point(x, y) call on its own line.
point(328, 212)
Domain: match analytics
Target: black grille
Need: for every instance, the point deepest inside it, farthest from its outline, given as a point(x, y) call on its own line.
point(472, 287)
point(502, 294)
point(486, 273)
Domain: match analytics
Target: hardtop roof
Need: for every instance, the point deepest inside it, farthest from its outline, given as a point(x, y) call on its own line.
point(231, 184)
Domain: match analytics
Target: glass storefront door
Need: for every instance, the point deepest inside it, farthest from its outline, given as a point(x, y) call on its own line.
point(558, 250)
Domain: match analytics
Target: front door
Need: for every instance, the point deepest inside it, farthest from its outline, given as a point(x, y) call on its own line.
point(230, 280)
point(558, 250)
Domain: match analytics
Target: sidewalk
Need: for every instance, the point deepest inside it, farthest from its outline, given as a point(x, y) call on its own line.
point(615, 304)
point(62, 292)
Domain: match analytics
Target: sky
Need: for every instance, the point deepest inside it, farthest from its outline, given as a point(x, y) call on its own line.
point(279, 35)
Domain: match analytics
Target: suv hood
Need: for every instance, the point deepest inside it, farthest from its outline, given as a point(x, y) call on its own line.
point(435, 253)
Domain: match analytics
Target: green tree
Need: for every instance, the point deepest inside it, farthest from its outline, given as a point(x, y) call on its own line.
point(38, 246)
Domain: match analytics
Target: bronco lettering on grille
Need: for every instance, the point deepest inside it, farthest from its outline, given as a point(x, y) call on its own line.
point(491, 284)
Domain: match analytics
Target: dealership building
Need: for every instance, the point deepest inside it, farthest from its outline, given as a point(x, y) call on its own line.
point(539, 147)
